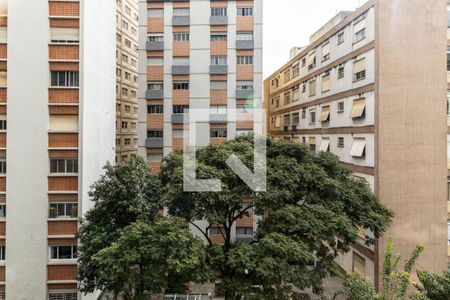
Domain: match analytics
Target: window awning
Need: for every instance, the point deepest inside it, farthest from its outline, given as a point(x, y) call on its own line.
point(311, 57)
point(358, 147)
point(312, 140)
point(326, 83)
point(325, 115)
point(359, 105)
point(325, 145)
point(359, 65)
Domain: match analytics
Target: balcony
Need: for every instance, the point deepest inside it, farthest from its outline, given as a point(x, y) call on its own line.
point(245, 45)
point(154, 142)
point(180, 118)
point(180, 20)
point(180, 70)
point(155, 46)
point(244, 94)
point(218, 118)
point(218, 69)
point(154, 94)
point(218, 20)
point(244, 239)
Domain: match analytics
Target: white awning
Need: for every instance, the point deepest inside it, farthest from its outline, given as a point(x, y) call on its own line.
point(325, 145)
point(358, 148)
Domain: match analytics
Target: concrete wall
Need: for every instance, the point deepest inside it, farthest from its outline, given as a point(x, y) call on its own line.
point(26, 222)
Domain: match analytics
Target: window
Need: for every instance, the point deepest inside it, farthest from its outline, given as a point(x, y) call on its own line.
point(181, 11)
point(218, 110)
point(340, 38)
point(244, 85)
point(155, 109)
point(181, 85)
point(312, 88)
point(244, 36)
point(154, 133)
point(359, 264)
point(2, 210)
point(287, 120)
point(218, 85)
point(296, 93)
point(326, 82)
point(181, 61)
point(326, 48)
point(312, 116)
point(448, 229)
point(218, 36)
point(340, 142)
point(312, 60)
point(295, 118)
point(3, 124)
point(312, 144)
point(218, 60)
point(287, 98)
point(125, 25)
point(324, 145)
point(245, 11)
point(66, 35)
point(128, 43)
point(303, 62)
point(63, 210)
point(63, 252)
point(180, 109)
point(325, 114)
point(340, 106)
point(295, 70)
point(341, 72)
point(180, 37)
point(359, 108)
point(244, 231)
point(358, 148)
point(2, 253)
point(303, 140)
point(155, 38)
point(63, 165)
point(245, 60)
point(360, 35)
point(218, 133)
point(448, 59)
point(127, 142)
point(304, 113)
point(216, 231)
point(64, 78)
point(180, 134)
point(154, 157)
point(359, 69)
point(218, 11)
point(155, 12)
point(124, 125)
point(155, 86)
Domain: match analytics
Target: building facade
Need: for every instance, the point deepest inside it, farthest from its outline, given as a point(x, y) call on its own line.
point(127, 79)
point(370, 91)
point(197, 54)
point(57, 114)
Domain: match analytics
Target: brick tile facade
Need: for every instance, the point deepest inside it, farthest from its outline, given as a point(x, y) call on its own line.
point(63, 183)
point(56, 140)
point(244, 23)
point(62, 272)
point(63, 110)
point(218, 97)
point(155, 121)
point(62, 227)
point(155, 25)
point(63, 51)
point(63, 95)
point(66, 9)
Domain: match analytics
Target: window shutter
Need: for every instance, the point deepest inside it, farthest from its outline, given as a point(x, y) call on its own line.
point(358, 108)
point(325, 115)
point(312, 88)
point(326, 83)
point(311, 57)
point(326, 49)
point(63, 123)
point(359, 26)
point(358, 147)
point(64, 34)
point(3, 79)
point(359, 65)
point(325, 145)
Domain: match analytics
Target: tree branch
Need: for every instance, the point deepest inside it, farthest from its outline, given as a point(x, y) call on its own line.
point(199, 229)
point(241, 213)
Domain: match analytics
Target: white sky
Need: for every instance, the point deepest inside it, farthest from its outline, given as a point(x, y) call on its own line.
point(289, 23)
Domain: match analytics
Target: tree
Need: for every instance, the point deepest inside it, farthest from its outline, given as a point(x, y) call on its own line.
point(147, 256)
point(433, 286)
point(312, 209)
point(124, 194)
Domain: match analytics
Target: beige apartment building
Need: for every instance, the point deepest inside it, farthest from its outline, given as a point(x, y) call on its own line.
point(127, 79)
point(370, 88)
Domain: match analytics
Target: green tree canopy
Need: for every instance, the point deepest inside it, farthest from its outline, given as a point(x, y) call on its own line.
point(313, 208)
point(124, 194)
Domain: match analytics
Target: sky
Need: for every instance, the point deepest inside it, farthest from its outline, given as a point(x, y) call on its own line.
point(289, 23)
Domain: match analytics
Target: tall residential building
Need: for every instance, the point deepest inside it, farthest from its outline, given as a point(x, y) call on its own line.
point(57, 114)
point(127, 79)
point(197, 54)
point(370, 88)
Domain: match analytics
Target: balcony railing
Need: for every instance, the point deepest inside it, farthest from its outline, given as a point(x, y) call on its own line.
point(245, 44)
point(154, 94)
point(154, 142)
point(244, 94)
point(218, 20)
point(180, 20)
point(180, 118)
point(155, 46)
point(218, 118)
point(218, 69)
point(180, 69)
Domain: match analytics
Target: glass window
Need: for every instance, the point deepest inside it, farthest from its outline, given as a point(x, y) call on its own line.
point(218, 133)
point(218, 36)
point(181, 37)
point(63, 210)
point(64, 78)
point(155, 109)
point(218, 60)
point(154, 134)
point(245, 11)
point(218, 11)
point(63, 252)
point(247, 231)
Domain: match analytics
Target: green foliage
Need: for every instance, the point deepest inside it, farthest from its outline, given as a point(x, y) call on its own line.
point(357, 288)
point(433, 286)
point(147, 256)
point(309, 201)
point(124, 194)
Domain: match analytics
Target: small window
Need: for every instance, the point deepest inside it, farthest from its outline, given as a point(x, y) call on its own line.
point(2, 165)
point(62, 295)
point(218, 133)
point(180, 109)
point(360, 35)
point(295, 118)
point(340, 38)
point(304, 113)
point(155, 109)
point(359, 264)
point(312, 116)
point(218, 85)
point(245, 60)
point(181, 85)
point(287, 120)
point(155, 86)
point(155, 12)
point(218, 60)
point(63, 252)
point(340, 143)
point(341, 72)
point(2, 253)
point(340, 106)
point(63, 210)
point(245, 11)
point(218, 11)
point(181, 37)
point(2, 210)
point(287, 98)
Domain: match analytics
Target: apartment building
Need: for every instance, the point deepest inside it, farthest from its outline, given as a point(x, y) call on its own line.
point(127, 79)
point(370, 88)
point(57, 114)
